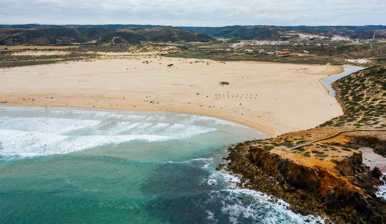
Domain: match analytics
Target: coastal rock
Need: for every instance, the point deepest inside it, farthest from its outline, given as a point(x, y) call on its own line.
point(321, 171)
point(316, 190)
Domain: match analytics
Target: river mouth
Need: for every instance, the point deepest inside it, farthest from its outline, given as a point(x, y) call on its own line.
point(347, 70)
point(83, 166)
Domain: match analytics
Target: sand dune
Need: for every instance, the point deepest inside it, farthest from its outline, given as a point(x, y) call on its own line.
point(274, 98)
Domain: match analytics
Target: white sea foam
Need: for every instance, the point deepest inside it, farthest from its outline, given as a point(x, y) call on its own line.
point(147, 127)
point(45, 124)
point(240, 204)
point(38, 132)
point(244, 204)
point(21, 143)
point(29, 144)
point(250, 204)
point(195, 119)
point(381, 193)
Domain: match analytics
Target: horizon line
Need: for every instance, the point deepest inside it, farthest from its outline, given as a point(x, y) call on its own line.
point(134, 24)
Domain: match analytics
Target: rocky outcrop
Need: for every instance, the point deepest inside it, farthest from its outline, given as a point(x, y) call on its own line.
point(321, 171)
point(379, 145)
point(344, 194)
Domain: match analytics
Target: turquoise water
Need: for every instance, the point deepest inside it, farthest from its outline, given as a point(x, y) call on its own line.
point(77, 166)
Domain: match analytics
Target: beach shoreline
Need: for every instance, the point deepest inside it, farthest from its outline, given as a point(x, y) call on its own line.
point(269, 97)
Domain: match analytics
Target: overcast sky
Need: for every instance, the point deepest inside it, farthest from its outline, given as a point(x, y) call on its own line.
point(195, 12)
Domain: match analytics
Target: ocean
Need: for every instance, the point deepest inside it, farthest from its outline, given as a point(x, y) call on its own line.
point(76, 166)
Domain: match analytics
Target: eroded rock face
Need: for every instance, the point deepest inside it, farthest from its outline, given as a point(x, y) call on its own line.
point(379, 145)
point(346, 194)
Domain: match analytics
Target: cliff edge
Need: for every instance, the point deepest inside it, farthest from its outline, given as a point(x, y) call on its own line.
point(321, 170)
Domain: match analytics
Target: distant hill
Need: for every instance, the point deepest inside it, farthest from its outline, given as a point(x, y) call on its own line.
point(70, 34)
point(277, 32)
point(119, 33)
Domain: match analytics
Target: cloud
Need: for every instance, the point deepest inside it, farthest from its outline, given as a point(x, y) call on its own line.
point(195, 12)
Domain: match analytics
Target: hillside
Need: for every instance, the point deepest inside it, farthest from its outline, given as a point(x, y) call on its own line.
point(44, 34)
point(321, 170)
point(284, 32)
point(69, 34)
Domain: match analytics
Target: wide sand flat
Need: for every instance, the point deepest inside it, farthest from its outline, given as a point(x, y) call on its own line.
point(274, 98)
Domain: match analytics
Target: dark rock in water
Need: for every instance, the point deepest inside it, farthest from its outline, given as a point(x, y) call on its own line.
point(376, 173)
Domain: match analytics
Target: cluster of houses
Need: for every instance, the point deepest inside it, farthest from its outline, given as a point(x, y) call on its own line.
point(256, 47)
point(279, 53)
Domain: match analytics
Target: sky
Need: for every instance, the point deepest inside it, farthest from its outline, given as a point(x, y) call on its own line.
point(195, 12)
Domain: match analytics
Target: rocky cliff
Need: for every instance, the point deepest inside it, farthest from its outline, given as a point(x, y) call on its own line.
point(321, 171)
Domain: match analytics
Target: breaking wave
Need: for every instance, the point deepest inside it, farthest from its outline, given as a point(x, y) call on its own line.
point(66, 131)
point(230, 203)
point(381, 193)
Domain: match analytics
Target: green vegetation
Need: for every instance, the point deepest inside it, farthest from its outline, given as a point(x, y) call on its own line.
point(295, 51)
point(259, 32)
point(9, 60)
point(66, 35)
point(362, 96)
point(299, 44)
point(284, 32)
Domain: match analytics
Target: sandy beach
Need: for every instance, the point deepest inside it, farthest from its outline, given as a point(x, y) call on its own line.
point(274, 98)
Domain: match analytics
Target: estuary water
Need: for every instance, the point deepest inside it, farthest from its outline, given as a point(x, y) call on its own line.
point(347, 70)
point(75, 166)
